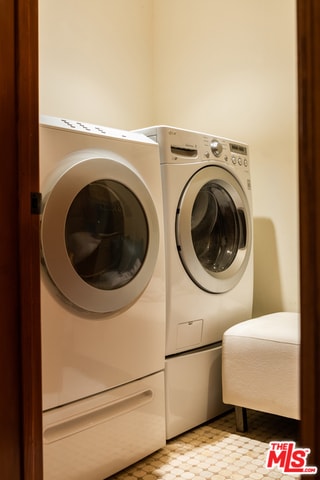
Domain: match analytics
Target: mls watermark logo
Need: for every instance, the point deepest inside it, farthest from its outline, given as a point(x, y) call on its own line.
point(288, 458)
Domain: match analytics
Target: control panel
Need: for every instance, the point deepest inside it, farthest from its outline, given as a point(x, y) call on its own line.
point(186, 146)
point(224, 150)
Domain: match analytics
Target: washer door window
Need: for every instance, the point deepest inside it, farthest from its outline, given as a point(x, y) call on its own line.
point(99, 235)
point(213, 229)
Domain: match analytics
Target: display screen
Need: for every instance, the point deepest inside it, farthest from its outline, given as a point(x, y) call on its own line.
point(234, 147)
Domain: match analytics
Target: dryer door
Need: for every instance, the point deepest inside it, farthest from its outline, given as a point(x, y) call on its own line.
point(99, 234)
point(214, 229)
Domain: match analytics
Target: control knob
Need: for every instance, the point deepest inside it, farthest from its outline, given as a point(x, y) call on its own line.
point(216, 148)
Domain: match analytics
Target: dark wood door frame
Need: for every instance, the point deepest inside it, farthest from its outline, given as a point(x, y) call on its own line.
point(20, 345)
point(308, 15)
point(27, 135)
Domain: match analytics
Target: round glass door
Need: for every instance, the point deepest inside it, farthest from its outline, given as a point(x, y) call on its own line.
point(105, 245)
point(213, 229)
point(99, 235)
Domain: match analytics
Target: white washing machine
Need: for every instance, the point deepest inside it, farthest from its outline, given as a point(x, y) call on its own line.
point(209, 264)
point(102, 299)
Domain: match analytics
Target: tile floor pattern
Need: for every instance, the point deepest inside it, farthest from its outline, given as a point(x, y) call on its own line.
point(216, 451)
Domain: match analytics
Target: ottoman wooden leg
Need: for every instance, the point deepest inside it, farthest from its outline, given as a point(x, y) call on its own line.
point(241, 419)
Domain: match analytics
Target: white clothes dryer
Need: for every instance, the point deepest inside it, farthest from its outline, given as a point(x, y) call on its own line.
point(102, 299)
point(209, 264)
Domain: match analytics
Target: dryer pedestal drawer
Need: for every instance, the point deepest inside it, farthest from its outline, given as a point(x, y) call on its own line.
point(193, 389)
point(93, 438)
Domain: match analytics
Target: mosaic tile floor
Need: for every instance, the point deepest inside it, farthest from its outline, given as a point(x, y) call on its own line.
point(216, 451)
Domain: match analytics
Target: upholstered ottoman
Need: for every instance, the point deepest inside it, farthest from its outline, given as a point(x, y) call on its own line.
point(261, 366)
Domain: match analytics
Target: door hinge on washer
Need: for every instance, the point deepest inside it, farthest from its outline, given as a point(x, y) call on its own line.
point(35, 203)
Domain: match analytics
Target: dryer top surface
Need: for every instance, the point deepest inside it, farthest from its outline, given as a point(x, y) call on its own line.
point(92, 129)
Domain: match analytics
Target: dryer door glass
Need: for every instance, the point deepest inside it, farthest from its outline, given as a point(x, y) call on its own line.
point(106, 234)
point(217, 228)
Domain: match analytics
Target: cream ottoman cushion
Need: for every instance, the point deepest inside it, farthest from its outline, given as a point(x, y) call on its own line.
point(261, 364)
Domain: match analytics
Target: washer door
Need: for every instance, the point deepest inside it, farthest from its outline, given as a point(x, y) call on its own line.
point(99, 235)
point(213, 229)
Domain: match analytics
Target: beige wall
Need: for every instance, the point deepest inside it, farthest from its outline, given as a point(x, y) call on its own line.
point(222, 66)
point(95, 59)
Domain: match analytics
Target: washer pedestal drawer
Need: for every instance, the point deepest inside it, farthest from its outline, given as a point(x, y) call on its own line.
point(96, 437)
